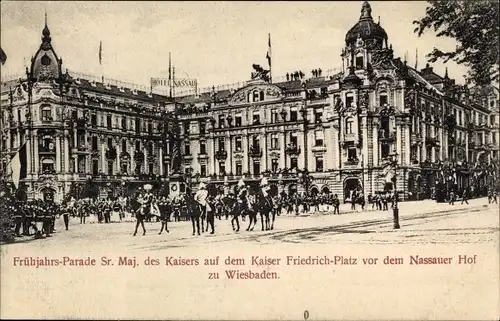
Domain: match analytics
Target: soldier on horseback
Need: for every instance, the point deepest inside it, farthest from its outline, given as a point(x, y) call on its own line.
point(241, 204)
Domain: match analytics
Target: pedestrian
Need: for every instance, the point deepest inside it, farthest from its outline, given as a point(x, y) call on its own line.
point(65, 215)
point(336, 204)
point(452, 197)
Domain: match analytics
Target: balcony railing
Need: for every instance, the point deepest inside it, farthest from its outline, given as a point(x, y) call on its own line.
point(431, 141)
point(46, 149)
point(352, 162)
point(255, 151)
point(221, 154)
point(292, 150)
point(386, 136)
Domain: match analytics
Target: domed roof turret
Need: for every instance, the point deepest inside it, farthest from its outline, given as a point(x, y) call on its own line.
point(365, 27)
point(45, 65)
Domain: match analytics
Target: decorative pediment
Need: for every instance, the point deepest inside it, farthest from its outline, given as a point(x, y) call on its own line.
point(256, 93)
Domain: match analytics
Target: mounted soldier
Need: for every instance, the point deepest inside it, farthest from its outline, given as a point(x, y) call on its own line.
point(266, 205)
point(241, 205)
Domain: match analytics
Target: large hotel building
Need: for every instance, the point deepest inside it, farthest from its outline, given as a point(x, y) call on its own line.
point(379, 124)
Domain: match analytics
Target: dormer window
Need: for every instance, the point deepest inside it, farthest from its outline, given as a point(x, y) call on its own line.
point(46, 60)
point(349, 99)
point(255, 96)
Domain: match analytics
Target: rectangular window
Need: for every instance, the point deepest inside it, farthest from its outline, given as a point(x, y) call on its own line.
point(274, 116)
point(293, 163)
point(256, 142)
point(349, 125)
point(222, 145)
point(110, 167)
point(293, 114)
point(256, 168)
point(187, 129)
point(151, 168)
point(385, 150)
point(359, 63)
point(137, 145)
point(318, 138)
point(150, 128)
point(274, 165)
point(383, 99)
point(124, 145)
point(124, 123)
point(293, 139)
point(352, 153)
point(237, 120)
point(203, 170)
point(349, 100)
point(94, 143)
point(318, 115)
point(221, 121)
point(274, 141)
point(93, 120)
point(202, 128)
point(239, 169)
point(203, 147)
point(46, 114)
point(137, 126)
point(319, 163)
point(95, 166)
point(109, 121)
point(237, 143)
point(110, 142)
point(256, 118)
point(187, 148)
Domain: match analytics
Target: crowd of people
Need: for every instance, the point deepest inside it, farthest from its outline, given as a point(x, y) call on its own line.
point(37, 217)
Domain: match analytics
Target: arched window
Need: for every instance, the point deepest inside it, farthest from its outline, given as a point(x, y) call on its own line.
point(46, 113)
point(383, 98)
point(349, 125)
point(261, 95)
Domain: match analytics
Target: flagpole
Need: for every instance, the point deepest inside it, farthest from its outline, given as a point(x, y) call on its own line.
point(170, 73)
point(100, 62)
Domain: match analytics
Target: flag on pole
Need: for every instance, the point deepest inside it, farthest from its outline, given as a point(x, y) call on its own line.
point(17, 166)
point(268, 55)
point(3, 56)
point(100, 53)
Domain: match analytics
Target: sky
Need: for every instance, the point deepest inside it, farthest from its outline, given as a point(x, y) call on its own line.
point(213, 42)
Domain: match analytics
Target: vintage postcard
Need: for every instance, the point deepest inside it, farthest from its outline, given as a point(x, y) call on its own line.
point(249, 160)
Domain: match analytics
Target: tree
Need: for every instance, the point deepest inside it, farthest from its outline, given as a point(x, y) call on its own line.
point(474, 25)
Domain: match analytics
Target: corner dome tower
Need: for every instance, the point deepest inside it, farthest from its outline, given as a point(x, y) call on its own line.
point(366, 28)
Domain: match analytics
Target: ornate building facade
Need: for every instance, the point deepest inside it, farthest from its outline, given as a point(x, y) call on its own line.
point(378, 125)
point(78, 131)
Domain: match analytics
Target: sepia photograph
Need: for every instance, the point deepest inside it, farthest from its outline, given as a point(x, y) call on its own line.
point(189, 160)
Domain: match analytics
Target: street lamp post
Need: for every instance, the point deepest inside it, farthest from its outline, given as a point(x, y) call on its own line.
point(395, 209)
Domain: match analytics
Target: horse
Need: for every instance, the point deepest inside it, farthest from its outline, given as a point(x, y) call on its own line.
point(194, 212)
point(252, 210)
point(265, 206)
